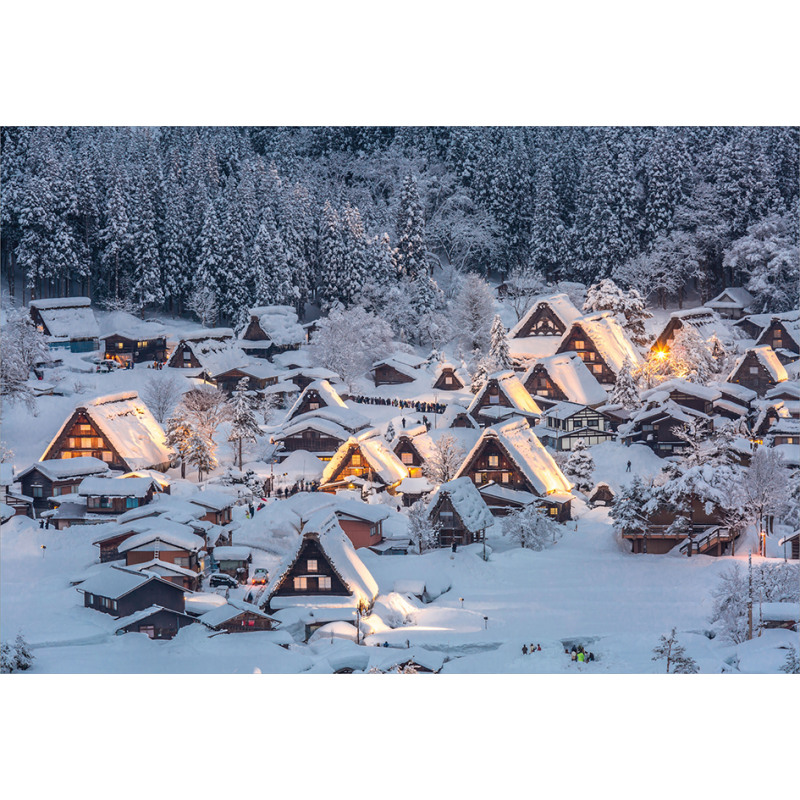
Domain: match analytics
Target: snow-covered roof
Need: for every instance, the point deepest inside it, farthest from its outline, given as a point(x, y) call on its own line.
point(731, 297)
point(128, 424)
point(327, 394)
point(779, 612)
point(217, 501)
point(230, 610)
point(767, 358)
point(572, 376)
point(413, 486)
point(790, 538)
point(687, 387)
point(599, 487)
point(523, 447)
point(59, 469)
point(182, 540)
point(68, 317)
point(139, 331)
point(232, 553)
point(217, 354)
point(459, 371)
point(145, 613)
point(510, 386)
point(346, 417)
point(115, 487)
point(452, 410)
point(114, 582)
point(401, 366)
point(559, 304)
point(313, 422)
point(325, 529)
point(382, 461)
point(165, 505)
point(504, 493)
point(163, 568)
point(565, 410)
point(7, 473)
point(467, 502)
point(609, 338)
point(743, 393)
point(355, 508)
point(280, 324)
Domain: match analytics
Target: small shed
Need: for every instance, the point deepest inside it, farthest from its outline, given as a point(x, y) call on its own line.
point(156, 622)
point(601, 495)
point(461, 512)
point(233, 561)
point(779, 615)
point(238, 617)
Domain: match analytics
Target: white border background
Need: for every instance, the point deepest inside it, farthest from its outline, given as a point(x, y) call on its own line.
point(417, 62)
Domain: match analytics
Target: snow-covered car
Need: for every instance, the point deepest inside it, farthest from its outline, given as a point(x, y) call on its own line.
point(260, 576)
point(221, 579)
point(107, 366)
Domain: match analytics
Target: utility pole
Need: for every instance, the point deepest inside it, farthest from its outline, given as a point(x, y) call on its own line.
point(750, 596)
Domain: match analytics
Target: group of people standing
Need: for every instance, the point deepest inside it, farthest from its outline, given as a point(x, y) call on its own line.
point(415, 405)
point(533, 649)
point(579, 654)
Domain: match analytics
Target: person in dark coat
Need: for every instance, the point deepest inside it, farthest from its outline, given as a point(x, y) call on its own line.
point(251, 509)
point(628, 467)
point(524, 649)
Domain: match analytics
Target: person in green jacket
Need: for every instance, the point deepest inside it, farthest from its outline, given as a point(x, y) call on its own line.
point(581, 656)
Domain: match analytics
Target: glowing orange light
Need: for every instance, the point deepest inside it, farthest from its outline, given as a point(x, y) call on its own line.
point(661, 354)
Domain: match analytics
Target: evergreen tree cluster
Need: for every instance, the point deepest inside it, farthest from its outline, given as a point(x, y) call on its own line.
point(288, 215)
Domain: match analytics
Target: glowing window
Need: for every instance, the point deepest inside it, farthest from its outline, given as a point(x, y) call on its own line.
point(312, 565)
point(494, 461)
point(301, 584)
point(407, 458)
point(324, 582)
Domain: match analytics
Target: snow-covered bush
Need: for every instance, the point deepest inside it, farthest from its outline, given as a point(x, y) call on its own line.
point(532, 527)
point(580, 466)
point(422, 531)
point(792, 664)
point(16, 658)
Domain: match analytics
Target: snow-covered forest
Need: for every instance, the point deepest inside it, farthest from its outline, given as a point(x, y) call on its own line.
point(180, 218)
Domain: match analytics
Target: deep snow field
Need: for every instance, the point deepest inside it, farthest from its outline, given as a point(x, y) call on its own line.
point(584, 589)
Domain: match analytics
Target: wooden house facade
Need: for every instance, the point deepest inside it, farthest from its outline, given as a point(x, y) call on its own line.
point(782, 333)
point(115, 496)
point(655, 427)
point(387, 372)
point(67, 323)
point(791, 544)
point(56, 477)
point(548, 316)
point(503, 390)
point(155, 622)
point(758, 369)
point(732, 303)
point(566, 423)
point(359, 461)
point(704, 320)
point(272, 330)
point(449, 378)
point(510, 455)
point(118, 429)
point(236, 617)
point(131, 346)
point(705, 534)
point(461, 513)
point(257, 377)
point(121, 592)
point(601, 344)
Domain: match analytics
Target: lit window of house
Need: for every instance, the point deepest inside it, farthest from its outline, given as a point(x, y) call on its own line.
point(119, 345)
point(448, 381)
point(356, 459)
point(312, 564)
point(494, 461)
point(597, 368)
point(579, 344)
point(301, 583)
point(506, 478)
point(477, 477)
point(313, 406)
point(107, 456)
point(553, 511)
point(407, 458)
point(324, 583)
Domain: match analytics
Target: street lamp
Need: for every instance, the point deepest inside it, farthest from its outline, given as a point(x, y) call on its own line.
point(486, 623)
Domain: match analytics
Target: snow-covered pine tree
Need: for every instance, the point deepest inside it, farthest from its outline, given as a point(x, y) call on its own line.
point(791, 666)
point(23, 347)
point(235, 271)
point(547, 229)
point(498, 347)
point(201, 453)
point(7, 663)
point(675, 654)
point(116, 237)
point(244, 426)
point(208, 268)
point(178, 434)
point(175, 249)
point(580, 466)
point(23, 657)
point(331, 256)
point(444, 460)
point(411, 249)
point(629, 508)
point(354, 264)
point(625, 391)
point(472, 310)
point(145, 257)
point(422, 531)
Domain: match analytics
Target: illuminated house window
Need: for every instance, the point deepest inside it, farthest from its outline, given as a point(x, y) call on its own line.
point(407, 458)
point(313, 406)
point(356, 459)
point(448, 380)
point(324, 582)
point(506, 477)
point(119, 345)
point(553, 511)
point(312, 565)
point(494, 461)
point(301, 583)
point(580, 344)
point(597, 368)
point(107, 456)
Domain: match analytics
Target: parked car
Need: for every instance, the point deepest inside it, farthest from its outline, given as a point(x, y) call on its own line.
point(221, 579)
point(260, 575)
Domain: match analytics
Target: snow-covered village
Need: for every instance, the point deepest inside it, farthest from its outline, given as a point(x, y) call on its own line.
point(400, 400)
